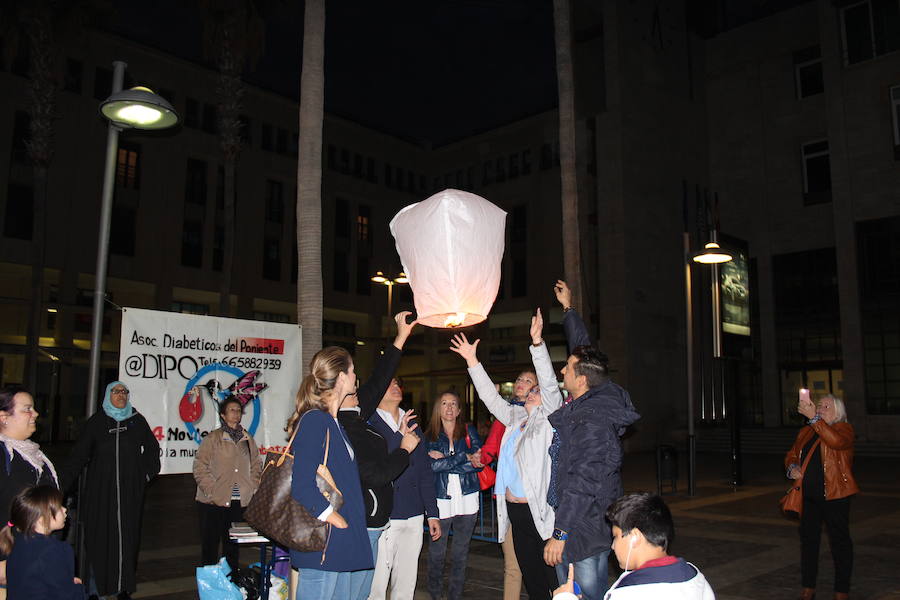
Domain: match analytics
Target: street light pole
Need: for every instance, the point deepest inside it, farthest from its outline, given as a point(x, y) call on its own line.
point(109, 172)
point(689, 343)
point(137, 108)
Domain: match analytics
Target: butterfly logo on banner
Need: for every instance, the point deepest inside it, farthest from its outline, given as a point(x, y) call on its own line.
point(209, 383)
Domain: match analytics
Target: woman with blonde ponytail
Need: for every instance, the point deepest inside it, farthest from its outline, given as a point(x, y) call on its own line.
point(331, 383)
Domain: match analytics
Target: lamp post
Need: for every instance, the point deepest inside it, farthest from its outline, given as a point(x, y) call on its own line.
point(400, 279)
point(712, 254)
point(137, 108)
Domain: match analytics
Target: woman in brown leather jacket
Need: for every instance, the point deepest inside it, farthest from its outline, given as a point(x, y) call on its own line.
point(227, 468)
point(827, 486)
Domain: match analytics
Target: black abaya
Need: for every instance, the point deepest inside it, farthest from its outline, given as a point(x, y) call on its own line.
point(120, 457)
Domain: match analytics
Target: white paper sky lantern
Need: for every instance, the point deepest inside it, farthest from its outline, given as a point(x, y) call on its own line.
point(451, 246)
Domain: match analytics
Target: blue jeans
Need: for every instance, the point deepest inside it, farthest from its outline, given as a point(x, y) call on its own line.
point(314, 584)
point(361, 581)
point(463, 526)
point(590, 573)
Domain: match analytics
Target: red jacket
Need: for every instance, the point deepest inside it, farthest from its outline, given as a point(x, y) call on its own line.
point(837, 456)
point(491, 448)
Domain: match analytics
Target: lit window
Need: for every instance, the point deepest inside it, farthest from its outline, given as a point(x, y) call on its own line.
point(128, 166)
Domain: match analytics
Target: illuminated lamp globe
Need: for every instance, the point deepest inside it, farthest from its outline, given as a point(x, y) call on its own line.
point(379, 277)
point(139, 108)
point(712, 254)
point(401, 278)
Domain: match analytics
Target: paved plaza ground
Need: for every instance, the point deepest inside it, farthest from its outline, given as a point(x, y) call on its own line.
point(736, 536)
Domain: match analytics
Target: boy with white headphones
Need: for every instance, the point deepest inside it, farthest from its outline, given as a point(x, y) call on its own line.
point(642, 530)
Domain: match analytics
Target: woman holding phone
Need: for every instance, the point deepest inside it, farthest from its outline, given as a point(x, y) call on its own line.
point(826, 445)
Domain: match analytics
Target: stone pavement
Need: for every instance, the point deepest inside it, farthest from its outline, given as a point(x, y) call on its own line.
point(736, 536)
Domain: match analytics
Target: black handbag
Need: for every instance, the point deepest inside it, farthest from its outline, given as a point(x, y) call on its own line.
point(273, 512)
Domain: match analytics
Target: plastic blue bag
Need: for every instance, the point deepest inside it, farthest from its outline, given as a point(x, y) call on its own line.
point(213, 582)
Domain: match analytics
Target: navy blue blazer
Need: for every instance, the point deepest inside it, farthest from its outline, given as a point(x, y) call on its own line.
point(41, 567)
point(414, 489)
point(348, 549)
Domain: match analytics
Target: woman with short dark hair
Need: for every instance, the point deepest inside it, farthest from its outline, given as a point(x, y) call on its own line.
point(227, 468)
point(23, 464)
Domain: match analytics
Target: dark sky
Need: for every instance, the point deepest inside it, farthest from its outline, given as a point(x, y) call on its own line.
point(427, 70)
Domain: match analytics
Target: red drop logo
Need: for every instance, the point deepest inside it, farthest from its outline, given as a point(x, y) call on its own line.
point(191, 407)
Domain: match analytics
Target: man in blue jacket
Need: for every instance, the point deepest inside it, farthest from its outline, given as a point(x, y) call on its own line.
point(587, 470)
point(414, 500)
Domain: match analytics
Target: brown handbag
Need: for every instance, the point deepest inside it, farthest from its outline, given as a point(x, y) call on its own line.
point(273, 512)
point(792, 501)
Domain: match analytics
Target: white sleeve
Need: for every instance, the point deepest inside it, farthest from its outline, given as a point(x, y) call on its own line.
point(495, 403)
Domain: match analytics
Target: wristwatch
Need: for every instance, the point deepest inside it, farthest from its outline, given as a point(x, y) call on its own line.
point(559, 534)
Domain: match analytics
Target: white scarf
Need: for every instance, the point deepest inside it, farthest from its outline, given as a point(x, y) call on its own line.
point(30, 453)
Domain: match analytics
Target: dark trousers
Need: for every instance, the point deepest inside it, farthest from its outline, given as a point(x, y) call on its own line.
point(463, 526)
point(836, 516)
point(214, 524)
point(538, 577)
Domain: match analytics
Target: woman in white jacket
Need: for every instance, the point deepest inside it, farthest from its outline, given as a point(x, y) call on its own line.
point(523, 472)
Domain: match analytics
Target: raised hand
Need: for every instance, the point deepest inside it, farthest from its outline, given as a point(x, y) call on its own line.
point(409, 441)
point(563, 293)
point(537, 327)
point(460, 344)
point(404, 329)
point(805, 406)
point(405, 426)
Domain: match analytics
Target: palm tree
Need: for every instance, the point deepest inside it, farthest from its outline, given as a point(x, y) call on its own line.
point(39, 22)
point(309, 181)
point(562, 16)
point(233, 36)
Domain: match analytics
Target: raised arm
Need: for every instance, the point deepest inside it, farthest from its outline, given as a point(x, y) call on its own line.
point(576, 331)
point(500, 408)
point(372, 391)
point(551, 397)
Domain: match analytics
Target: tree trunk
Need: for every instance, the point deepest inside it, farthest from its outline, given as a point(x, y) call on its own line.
point(228, 237)
point(230, 90)
point(567, 145)
point(41, 107)
point(36, 313)
point(309, 181)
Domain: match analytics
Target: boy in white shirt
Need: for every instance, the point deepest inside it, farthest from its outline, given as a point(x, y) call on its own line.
point(642, 530)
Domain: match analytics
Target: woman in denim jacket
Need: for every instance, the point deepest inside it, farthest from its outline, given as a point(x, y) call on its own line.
point(455, 450)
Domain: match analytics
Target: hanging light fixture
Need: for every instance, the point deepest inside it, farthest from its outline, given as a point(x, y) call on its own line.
point(712, 253)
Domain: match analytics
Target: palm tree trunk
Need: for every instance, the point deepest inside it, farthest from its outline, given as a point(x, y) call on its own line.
point(228, 236)
point(567, 144)
point(36, 313)
point(309, 181)
point(230, 90)
point(41, 106)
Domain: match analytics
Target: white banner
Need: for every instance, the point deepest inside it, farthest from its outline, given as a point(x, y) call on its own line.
point(180, 367)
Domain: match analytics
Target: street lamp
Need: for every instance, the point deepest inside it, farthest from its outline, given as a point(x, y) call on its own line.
point(137, 108)
point(712, 254)
point(400, 279)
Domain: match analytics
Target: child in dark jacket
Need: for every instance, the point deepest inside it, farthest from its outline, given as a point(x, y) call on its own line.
point(39, 566)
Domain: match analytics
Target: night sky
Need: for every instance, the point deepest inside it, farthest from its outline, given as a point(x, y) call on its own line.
point(425, 70)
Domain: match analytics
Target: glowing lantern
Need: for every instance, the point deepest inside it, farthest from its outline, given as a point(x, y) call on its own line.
point(451, 246)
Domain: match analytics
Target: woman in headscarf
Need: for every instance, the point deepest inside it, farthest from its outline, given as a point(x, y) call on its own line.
point(227, 469)
point(23, 463)
point(121, 455)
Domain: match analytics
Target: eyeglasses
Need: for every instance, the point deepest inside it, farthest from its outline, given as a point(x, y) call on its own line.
point(119, 391)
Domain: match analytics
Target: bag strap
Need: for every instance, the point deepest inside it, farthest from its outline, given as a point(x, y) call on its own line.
point(809, 456)
point(327, 442)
